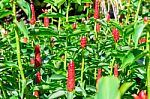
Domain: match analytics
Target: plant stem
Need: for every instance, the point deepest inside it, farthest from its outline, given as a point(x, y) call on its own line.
point(82, 66)
point(148, 66)
point(59, 22)
point(18, 51)
point(137, 12)
point(4, 93)
point(67, 12)
point(111, 66)
point(127, 18)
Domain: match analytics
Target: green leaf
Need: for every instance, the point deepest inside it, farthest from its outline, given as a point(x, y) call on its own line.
point(25, 7)
point(124, 87)
point(127, 60)
point(57, 77)
point(138, 29)
point(108, 88)
point(42, 31)
point(59, 3)
point(51, 15)
point(4, 13)
point(57, 94)
point(22, 27)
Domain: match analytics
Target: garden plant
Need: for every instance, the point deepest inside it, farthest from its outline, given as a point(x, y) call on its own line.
point(74, 49)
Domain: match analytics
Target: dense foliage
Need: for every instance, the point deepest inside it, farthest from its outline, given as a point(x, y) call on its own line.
point(74, 49)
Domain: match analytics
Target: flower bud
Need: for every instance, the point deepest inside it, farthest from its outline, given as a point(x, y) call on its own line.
point(71, 77)
point(83, 41)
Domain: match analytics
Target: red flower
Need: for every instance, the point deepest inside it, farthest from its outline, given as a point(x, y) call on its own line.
point(97, 27)
point(136, 96)
point(38, 77)
point(46, 19)
point(71, 77)
point(32, 61)
point(99, 75)
point(142, 40)
point(145, 20)
point(116, 70)
point(83, 42)
point(36, 93)
point(37, 56)
point(96, 10)
point(25, 39)
point(74, 26)
point(142, 95)
point(115, 34)
point(33, 19)
point(108, 17)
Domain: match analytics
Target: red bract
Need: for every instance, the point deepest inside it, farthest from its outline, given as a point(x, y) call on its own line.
point(83, 42)
point(97, 27)
point(33, 19)
point(115, 34)
point(32, 61)
point(74, 26)
point(46, 19)
point(136, 96)
point(96, 10)
point(108, 17)
point(25, 39)
point(99, 75)
point(37, 56)
point(142, 95)
point(38, 77)
point(36, 93)
point(145, 20)
point(116, 70)
point(142, 40)
point(71, 77)
point(5, 33)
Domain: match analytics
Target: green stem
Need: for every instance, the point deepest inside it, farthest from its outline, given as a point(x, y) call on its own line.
point(148, 66)
point(67, 12)
point(82, 66)
point(127, 18)
point(4, 93)
point(87, 14)
point(18, 52)
point(59, 22)
point(137, 12)
point(70, 95)
point(51, 12)
point(111, 66)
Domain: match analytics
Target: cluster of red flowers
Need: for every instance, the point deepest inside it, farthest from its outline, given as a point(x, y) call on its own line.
point(83, 42)
point(96, 10)
point(142, 40)
point(141, 95)
point(37, 62)
point(71, 77)
point(97, 27)
point(46, 19)
point(33, 19)
point(115, 34)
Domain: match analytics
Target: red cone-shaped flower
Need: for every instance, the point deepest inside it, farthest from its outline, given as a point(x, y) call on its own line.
point(71, 77)
point(116, 70)
point(38, 77)
point(99, 75)
point(142, 40)
point(46, 19)
point(25, 40)
point(74, 26)
point(97, 27)
point(37, 56)
point(145, 20)
point(96, 9)
point(142, 95)
point(115, 34)
point(33, 19)
point(36, 93)
point(136, 96)
point(108, 17)
point(83, 42)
